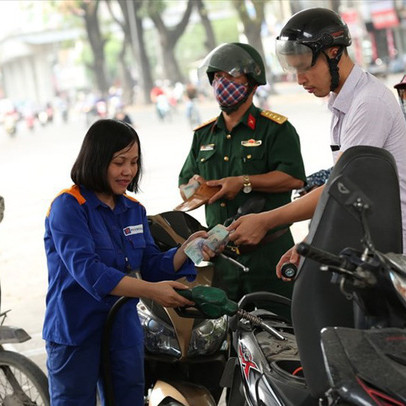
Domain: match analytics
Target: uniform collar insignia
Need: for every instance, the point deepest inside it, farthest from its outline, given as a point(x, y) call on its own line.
point(251, 122)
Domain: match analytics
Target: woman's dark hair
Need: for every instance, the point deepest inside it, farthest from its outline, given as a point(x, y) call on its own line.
point(103, 139)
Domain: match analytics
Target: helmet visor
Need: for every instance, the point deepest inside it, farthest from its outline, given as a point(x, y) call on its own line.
point(293, 56)
point(229, 58)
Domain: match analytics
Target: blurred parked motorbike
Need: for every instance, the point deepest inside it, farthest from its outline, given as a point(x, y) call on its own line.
point(21, 381)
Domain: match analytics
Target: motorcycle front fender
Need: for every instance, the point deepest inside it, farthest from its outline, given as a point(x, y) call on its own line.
point(187, 394)
point(13, 335)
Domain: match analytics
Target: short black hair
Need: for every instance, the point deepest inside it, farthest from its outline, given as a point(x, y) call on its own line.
point(103, 139)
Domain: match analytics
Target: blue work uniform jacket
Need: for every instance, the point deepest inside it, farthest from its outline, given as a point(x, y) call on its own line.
point(86, 245)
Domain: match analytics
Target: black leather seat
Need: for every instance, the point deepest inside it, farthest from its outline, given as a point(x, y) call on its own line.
point(317, 302)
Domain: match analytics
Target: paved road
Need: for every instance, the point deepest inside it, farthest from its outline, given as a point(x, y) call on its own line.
point(36, 166)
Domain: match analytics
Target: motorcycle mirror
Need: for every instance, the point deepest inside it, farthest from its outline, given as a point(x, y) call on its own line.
point(351, 198)
point(253, 205)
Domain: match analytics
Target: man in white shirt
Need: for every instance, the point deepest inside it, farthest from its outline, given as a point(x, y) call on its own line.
point(313, 44)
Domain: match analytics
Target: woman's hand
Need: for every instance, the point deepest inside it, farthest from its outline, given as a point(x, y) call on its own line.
point(289, 256)
point(180, 256)
point(164, 293)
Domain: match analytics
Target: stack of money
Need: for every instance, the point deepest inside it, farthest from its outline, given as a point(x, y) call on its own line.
point(217, 236)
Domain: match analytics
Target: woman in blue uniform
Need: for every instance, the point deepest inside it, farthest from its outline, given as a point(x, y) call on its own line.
point(96, 239)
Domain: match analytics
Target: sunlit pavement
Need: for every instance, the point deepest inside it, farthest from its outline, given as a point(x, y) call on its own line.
point(35, 166)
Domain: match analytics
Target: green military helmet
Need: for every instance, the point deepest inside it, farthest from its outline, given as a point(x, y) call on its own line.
point(236, 59)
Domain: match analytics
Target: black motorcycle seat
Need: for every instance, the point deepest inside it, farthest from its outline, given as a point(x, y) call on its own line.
point(317, 302)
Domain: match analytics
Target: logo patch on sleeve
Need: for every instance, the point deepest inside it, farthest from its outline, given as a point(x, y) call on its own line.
point(131, 230)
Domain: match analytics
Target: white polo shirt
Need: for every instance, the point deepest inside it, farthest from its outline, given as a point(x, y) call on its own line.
point(366, 112)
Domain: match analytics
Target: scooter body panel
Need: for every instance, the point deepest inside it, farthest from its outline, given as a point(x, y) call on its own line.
point(186, 393)
point(9, 334)
point(269, 379)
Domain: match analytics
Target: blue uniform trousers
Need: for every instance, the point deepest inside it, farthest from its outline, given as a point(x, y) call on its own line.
point(74, 374)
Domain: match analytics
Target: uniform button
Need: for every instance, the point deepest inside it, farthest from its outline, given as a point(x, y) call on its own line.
point(249, 156)
point(222, 204)
point(202, 159)
point(226, 158)
point(228, 136)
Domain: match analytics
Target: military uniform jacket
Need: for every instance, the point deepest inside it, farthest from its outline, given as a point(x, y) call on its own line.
point(261, 142)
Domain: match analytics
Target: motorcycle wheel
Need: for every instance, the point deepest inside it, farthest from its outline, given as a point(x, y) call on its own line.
point(21, 381)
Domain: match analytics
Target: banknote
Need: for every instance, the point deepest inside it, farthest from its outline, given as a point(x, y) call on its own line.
point(194, 250)
point(217, 236)
point(189, 189)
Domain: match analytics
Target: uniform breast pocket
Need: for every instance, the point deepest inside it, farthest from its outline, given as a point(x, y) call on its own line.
point(137, 241)
point(204, 156)
point(253, 159)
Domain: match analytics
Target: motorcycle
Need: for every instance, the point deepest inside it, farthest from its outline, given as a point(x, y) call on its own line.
point(346, 341)
point(185, 354)
point(22, 382)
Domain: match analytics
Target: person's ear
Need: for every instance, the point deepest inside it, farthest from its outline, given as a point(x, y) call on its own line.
point(333, 51)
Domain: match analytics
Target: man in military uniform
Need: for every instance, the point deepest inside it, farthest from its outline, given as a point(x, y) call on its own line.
point(247, 152)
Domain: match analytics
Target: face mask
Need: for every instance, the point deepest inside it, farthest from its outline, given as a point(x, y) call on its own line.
point(229, 93)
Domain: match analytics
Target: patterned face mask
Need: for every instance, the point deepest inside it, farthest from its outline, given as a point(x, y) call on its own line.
point(229, 93)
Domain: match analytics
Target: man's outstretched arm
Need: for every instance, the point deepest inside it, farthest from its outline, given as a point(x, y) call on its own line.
point(250, 229)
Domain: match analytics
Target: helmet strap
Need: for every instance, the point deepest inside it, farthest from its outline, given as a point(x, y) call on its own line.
point(334, 69)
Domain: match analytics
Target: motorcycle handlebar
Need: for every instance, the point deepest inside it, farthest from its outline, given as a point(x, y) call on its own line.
point(319, 255)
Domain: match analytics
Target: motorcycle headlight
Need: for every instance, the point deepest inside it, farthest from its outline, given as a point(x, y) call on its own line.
point(159, 337)
point(399, 282)
point(208, 337)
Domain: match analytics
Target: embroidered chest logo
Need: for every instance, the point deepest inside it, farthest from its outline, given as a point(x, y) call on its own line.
point(131, 230)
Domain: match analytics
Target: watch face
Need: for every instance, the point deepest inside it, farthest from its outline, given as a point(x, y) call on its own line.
point(247, 189)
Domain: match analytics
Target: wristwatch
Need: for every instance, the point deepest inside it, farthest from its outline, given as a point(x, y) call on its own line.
point(247, 188)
